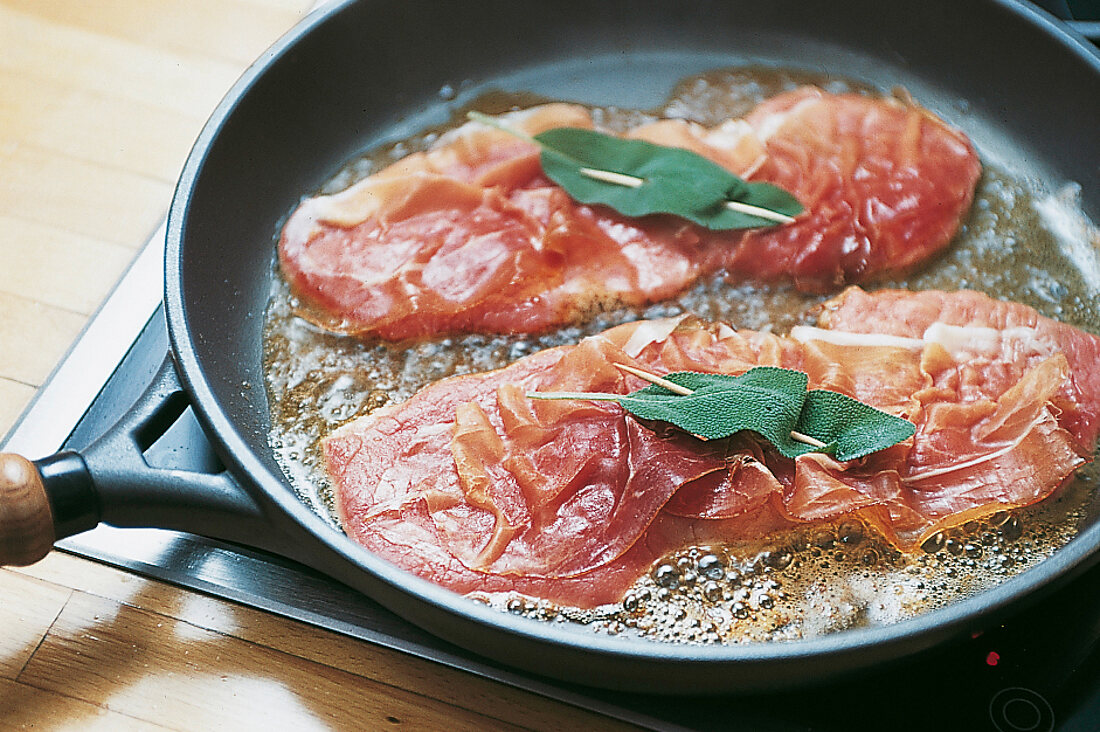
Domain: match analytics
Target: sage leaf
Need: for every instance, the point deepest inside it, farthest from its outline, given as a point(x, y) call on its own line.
point(672, 180)
point(764, 400)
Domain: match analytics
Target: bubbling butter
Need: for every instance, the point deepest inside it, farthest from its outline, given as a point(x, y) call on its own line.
point(1016, 244)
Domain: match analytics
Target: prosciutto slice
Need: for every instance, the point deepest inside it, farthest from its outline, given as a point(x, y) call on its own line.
point(471, 484)
point(976, 329)
point(472, 237)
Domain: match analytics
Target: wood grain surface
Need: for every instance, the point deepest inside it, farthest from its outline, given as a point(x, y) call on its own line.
point(99, 104)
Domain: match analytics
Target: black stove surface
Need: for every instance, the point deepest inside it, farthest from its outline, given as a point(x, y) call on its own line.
point(1039, 670)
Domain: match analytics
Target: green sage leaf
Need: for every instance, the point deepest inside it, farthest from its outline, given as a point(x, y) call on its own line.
point(765, 400)
point(672, 180)
point(772, 402)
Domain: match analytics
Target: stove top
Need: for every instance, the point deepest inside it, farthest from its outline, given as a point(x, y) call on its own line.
point(1038, 671)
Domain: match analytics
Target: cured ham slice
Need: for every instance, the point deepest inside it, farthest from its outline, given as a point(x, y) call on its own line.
point(974, 328)
point(471, 236)
point(475, 486)
point(885, 184)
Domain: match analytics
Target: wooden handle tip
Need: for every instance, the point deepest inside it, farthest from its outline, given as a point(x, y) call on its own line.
point(26, 520)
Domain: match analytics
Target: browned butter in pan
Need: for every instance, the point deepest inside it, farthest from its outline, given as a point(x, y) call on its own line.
point(1022, 241)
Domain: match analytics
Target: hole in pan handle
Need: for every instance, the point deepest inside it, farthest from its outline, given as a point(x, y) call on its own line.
point(111, 481)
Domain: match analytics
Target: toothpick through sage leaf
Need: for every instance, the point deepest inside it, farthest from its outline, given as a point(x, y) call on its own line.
point(638, 178)
point(769, 401)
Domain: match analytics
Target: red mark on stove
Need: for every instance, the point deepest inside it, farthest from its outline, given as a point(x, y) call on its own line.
point(992, 658)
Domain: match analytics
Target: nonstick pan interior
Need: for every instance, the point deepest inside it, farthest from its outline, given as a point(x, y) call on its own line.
point(367, 72)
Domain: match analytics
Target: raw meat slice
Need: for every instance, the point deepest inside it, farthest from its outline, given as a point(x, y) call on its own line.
point(475, 486)
point(470, 236)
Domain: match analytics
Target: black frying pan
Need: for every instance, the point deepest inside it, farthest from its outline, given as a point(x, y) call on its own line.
point(367, 71)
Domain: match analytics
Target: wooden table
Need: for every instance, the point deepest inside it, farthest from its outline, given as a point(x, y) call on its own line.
point(99, 104)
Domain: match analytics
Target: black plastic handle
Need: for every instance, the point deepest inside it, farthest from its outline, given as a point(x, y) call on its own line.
point(111, 481)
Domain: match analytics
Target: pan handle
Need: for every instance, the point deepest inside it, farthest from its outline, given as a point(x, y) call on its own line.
point(111, 482)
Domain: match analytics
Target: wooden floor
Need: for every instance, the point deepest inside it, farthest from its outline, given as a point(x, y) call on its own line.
point(99, 103)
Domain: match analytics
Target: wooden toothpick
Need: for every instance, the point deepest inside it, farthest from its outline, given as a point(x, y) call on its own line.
point(655, 379)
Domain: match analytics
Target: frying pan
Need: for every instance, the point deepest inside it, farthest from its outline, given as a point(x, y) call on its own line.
point(361, 73)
